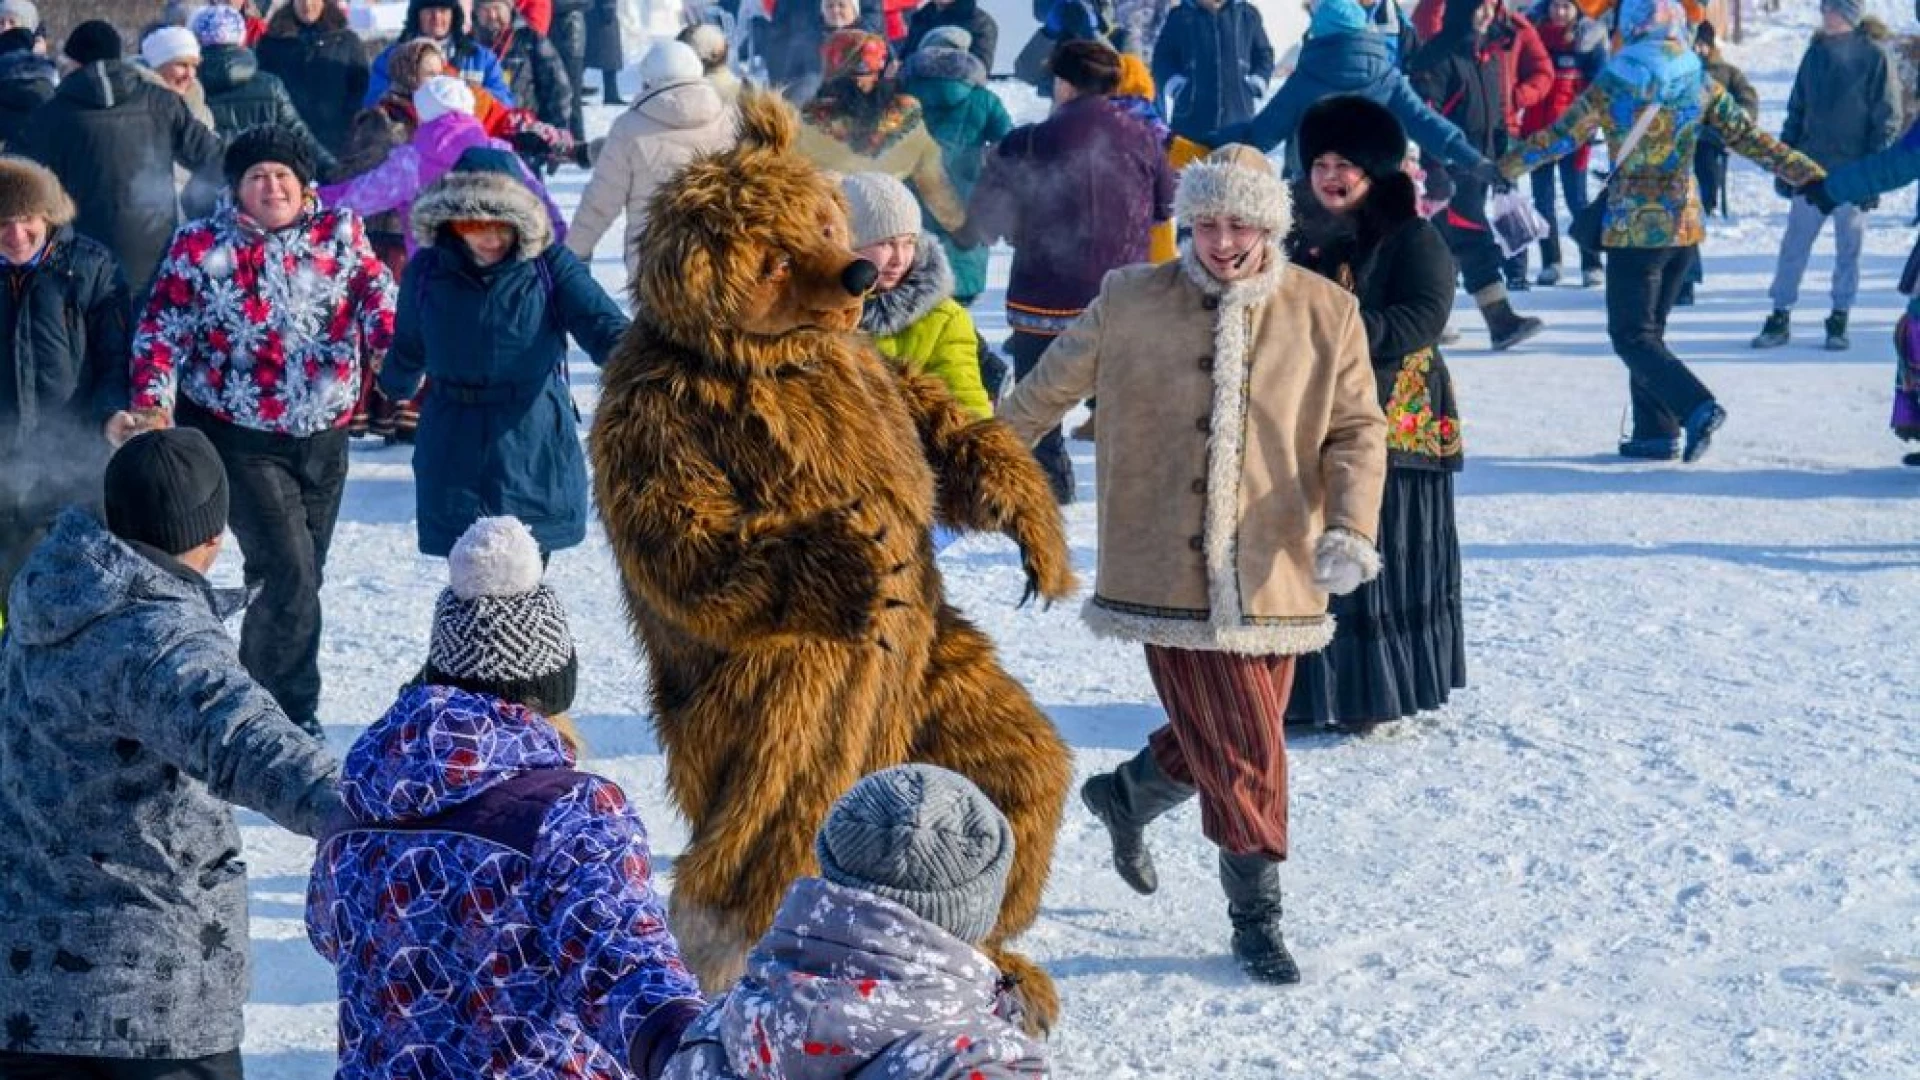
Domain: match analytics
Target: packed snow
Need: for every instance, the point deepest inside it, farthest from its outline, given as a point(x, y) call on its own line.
point(1667, 832)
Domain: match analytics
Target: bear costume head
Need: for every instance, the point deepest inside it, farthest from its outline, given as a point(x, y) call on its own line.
point(752, 240)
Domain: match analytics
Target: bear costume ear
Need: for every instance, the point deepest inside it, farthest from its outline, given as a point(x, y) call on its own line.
point(767, 122)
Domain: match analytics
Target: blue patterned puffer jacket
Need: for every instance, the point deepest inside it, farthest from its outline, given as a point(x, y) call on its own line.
point(489, 911)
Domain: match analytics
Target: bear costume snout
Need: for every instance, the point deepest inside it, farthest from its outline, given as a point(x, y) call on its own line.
point(859, 277)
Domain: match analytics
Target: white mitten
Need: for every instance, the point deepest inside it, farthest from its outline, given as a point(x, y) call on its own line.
point(1343, 560)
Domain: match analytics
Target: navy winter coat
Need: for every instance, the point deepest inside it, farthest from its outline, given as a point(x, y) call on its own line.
point(498, 433)
point(1213, 65)
point(1360, 64)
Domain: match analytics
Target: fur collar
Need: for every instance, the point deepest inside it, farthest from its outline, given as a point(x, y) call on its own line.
point(470, 196)
point(1240, 294)
point(929, 281)
point(952, 64)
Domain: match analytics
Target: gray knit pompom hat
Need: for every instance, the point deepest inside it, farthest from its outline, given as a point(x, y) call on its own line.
point(926, 839)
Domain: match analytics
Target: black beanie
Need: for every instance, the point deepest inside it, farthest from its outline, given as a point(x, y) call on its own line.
point(168, 489)
point(1091, 67)
point(93, 41)
point(1703, 35)
point(1357, 129)
point(267, 142)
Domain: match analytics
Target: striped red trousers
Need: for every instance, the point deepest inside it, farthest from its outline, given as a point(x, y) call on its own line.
point(1226, 736)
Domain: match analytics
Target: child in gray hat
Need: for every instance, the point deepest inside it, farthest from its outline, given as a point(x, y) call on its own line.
point(872, 967)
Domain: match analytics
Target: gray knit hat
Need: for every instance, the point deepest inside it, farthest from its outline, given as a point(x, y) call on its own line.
point(1853, 11)
point(926, 839)
point(947, 37)
point(496, 629)
point(879, 207)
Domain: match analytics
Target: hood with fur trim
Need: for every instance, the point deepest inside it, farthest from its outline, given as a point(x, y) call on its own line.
point(482, 196)
point(929, 280)
point(934, 62)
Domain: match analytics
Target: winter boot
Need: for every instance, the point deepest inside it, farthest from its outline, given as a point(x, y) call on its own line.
point(1549, 277)
point(1125, 800)
point(1252, 885)
point(1912, 459)
point(1593, 277)
point(1652, 448)
point(1837, 332)
point(1777, 332)
point(1702, 422)
point(1505, 326)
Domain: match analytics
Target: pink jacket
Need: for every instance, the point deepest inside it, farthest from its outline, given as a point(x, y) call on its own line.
point(436, 146)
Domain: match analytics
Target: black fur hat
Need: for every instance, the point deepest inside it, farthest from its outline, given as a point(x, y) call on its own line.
point(1359, 130)
point(267, 142)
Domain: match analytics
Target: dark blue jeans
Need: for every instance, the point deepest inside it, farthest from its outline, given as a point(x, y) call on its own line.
point(1573, 186)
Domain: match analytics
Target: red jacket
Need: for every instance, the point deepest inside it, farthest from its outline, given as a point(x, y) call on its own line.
point(897, 12)
point(1528, 68)
point(1578, 53)
point(538, 13)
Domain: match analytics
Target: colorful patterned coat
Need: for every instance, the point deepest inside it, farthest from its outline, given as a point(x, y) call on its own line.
point(1654, 203)
point(848, 984)
point(490, 912)
point(266, 331)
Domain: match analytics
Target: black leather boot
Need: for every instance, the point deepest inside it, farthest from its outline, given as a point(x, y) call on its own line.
point(1125, 801)
point(1252, 885)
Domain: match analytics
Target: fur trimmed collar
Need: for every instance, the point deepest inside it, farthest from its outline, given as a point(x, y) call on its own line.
point(929, 281)
point(1240, 294)
point(953, 64)
point(1324, 235)
point(472, 196)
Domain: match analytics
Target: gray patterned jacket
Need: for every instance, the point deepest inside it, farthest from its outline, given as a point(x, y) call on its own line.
point(126, 725)
point(847, 984)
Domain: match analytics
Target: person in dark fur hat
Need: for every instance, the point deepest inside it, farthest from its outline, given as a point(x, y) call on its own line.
point(63, 368)
point(1398, 644)
point(497, 425)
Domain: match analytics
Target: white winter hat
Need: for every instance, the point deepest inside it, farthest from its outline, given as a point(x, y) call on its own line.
point(1235, 181)
point(441, 95)
point(670, 63)
point(879, 208)
point(167, 44)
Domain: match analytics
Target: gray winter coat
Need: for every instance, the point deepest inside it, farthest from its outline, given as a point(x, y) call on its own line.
point(848, 984)
point(126, 725)
point(1845, 103)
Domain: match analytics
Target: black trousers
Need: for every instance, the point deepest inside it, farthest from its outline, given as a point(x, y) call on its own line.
point(285, 494)
point(59, 1067)
point(1051, 450)
point(1469, 237)
point(569, 37)
point(1641, 286)
point(1710, 172)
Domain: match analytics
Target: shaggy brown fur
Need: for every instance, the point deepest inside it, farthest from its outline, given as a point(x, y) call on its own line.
point(769, 484)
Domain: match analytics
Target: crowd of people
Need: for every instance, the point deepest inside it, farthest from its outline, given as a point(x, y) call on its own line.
point(244, 239)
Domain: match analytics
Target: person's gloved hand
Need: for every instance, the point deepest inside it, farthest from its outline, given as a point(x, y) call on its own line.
point(1815, 192)
point(1488, 174)
point(1343, 560)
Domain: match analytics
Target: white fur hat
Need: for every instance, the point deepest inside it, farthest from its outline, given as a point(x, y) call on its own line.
point(167, 44)
point(670, 63)
point(441, 95)
point(1235, 181)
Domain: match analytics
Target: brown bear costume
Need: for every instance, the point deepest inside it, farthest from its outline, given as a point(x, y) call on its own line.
point(769, 484)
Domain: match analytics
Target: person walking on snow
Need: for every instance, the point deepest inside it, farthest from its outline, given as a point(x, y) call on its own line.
point(1577, 47)
point(127, 726)
point(1221, 537)
point(876, 962)
point(1213, 61)
point(1845, 106)
point(486, 305)
point(1463, 73)
point(1652, 222)
point(255, 333)
point(537, 939)
point(678, 116)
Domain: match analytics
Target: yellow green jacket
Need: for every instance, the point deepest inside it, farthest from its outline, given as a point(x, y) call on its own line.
point(918, 326)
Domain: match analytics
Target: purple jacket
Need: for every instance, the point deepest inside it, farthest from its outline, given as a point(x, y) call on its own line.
point(434, 149)
point(847, 984)
point(489, 910)
point(1076, 195)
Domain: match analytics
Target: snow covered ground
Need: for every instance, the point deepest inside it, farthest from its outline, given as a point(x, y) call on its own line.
point(1667, 833)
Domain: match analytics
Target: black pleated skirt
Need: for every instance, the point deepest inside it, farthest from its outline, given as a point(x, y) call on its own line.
point(1399, 648)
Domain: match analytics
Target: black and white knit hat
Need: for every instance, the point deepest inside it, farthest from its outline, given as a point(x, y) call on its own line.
point(496, 629)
